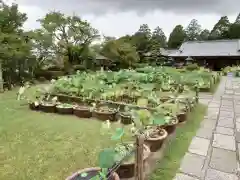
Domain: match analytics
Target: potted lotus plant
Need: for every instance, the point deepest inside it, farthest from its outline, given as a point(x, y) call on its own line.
point(64, 108)
point(104, 112)
point(125, 155)
point(150, 124)
point(125, 116)
point(82, 111)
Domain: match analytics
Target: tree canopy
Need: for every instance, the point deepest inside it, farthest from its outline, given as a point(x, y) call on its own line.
point(66, 43)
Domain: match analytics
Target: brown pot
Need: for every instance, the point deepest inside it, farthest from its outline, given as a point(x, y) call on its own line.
point(33, 107)
point(49, 108)
point(182, 117)
point(111, 115)
point(156, 142)
point(64, 110)
point(125, 119)
point(92, 172)
point(126, 170)
point(170, 128)
point(82, 111)
point(164, 99)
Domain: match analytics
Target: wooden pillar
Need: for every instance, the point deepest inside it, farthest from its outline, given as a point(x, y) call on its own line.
point(139, 170)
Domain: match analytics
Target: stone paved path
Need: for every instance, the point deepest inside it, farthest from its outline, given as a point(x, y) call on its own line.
point(214, 152)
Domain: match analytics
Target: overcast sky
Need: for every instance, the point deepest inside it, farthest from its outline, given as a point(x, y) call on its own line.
point(120, 17)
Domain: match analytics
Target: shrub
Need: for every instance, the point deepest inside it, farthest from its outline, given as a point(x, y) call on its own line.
point(192, 67)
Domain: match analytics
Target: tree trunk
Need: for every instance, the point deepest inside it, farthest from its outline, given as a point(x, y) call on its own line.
point(1, 78)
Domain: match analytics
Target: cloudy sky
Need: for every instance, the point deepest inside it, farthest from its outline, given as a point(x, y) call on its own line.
point(120, 17)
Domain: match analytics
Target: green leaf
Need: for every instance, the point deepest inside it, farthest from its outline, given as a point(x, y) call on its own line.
point(142, 102)
point(159, 120)
point(84, 174)
point(118, 134)
point(107, 158)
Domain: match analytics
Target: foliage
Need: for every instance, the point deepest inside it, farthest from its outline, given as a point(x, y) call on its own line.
point(193, 31)
point(204, 35)
point(15, 50)
point(221, 29)
point(176, 37)
point(121, 53)
point(192, 67)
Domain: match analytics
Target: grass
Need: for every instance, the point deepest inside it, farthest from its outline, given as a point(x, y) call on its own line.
point(214, 87)
point(38, 146)
point(176, 149)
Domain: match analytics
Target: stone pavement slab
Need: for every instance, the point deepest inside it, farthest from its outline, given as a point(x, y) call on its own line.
point(206, 133)
point(187, 164)
point(226, 122)
point(238, 126)
point(181, 176)
point(223, 130)
point(213, 174)
point(215, 150)
point(207, 123)
point(224, 142)
point(223, 160)
point(199, 146)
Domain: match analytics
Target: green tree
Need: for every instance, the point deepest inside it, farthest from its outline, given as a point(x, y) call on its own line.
point(193, 31)
point(204, 35)
point(158, 38)
point(15, 49)
point(220, 29)
point(44, 48)
point(176, 37)
point(122, 53)
point(142, 40)
point(234, 30)
point(71, 34)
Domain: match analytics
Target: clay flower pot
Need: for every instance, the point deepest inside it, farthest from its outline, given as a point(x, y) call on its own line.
point(47, 107)
point(82, 111)
point(33, 106)
point(90, 173)
point(105, 114)
point(170, 128)
point(164, 99)
point(125, 118)
point(61, 109)
point(182, 117)
point(127, 169)
point(155, 143)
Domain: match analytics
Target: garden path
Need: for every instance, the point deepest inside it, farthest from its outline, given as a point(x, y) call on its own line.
point(215, 150)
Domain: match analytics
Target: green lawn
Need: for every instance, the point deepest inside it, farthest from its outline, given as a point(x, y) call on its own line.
point(176, 149)
point(37, 146)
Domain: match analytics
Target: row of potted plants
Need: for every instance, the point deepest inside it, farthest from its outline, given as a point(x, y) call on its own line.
point(100, 111)
point(113, 162)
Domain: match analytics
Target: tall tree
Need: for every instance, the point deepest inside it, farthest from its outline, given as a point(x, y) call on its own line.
point(193, 31)
point(72, 34)
point(237, 21)
point(220, 29)
point(234, 30)
point(158, 38)
point(142, 40)
point(14, 49)
point(204, 35)
point(122, 53)
point(176, 37)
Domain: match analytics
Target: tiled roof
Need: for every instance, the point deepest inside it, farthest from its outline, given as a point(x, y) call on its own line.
point(166, 52)
point(208, 48)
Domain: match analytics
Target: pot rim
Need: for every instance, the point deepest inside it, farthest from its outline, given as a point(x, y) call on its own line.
point(109, 112)
point(164, 136)
point(116, 177)
point(59, 107)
